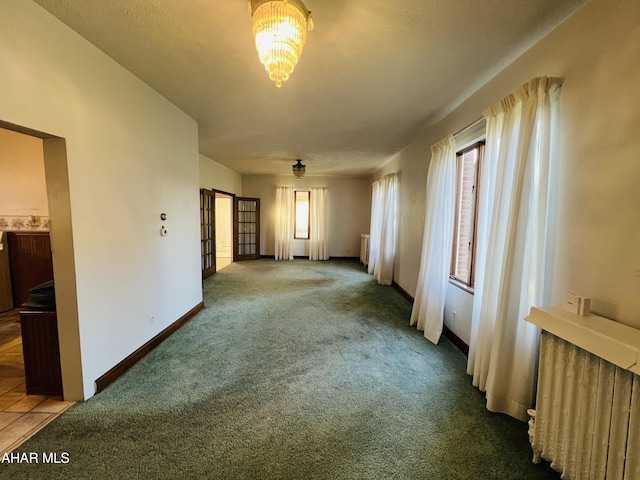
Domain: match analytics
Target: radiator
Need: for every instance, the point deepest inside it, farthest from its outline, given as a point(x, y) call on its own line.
point(364, 249)
point(587, 417)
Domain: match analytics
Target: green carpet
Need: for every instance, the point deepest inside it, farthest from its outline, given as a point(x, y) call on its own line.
point(294, 370)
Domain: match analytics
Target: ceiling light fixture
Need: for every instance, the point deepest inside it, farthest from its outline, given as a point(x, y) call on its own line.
point(298, 170)
point(280, 29)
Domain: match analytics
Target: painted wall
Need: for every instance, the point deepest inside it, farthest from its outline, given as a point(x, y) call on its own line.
point(349, 210)
point(23, 189)
point(224, 224)
point(128, 155)
point(215, 176)
point(597, 50)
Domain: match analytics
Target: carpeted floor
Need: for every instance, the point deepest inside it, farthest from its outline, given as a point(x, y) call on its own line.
point(294, 370)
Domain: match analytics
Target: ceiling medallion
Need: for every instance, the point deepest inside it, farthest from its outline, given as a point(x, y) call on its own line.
point(280, 29)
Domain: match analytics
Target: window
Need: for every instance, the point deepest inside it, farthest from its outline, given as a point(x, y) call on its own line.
point(468, 167)
point(301, 229)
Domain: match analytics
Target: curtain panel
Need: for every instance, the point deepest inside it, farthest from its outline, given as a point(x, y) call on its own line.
point(431, 293)
point(384, 226)
point(515, 235)
point(285, 212)
point(319, 241)
point(375, 225)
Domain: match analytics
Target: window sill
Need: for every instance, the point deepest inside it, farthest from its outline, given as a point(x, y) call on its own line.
point(457, 283)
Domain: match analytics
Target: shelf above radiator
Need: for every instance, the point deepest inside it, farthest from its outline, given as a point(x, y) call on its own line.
point(610, 340)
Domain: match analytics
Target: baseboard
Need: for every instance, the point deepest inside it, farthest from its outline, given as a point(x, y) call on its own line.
point(346, 259)
point(110, 376)
point(403, 292)
point(453, 338)
point(456, 340)
point(306, 257)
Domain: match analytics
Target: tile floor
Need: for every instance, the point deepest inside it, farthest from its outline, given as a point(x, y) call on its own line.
point(21, 415)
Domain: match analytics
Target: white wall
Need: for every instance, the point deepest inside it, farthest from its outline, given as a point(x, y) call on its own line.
point(215, 176)
point(349, 210)
point(130, 155)
point(224, 223)
point(23, 189)
point(597, 50)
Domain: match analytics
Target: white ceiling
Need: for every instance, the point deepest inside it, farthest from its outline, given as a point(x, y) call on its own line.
point(372, 76)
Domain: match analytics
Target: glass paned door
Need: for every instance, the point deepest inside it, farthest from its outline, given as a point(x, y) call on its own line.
point(208, 232)
point(246, 214)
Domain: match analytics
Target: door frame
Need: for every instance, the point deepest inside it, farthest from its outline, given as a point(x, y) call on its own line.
point(208, 226)
point(62, 248)
point(232, 196)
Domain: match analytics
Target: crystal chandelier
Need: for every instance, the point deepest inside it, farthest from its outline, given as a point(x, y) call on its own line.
point(280, 29)
point(298, 170)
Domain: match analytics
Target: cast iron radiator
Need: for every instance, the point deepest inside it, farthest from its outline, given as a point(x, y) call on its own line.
point(587, 417)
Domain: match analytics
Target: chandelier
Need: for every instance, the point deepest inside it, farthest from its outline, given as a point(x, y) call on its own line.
point(280, 29)
point(298, 170)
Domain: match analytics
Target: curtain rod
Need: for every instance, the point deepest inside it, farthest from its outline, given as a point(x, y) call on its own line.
point(471, 125)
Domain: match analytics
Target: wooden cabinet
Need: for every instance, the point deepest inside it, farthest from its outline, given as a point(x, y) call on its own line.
point(30, 260)
point(41, 351)
point(6, 296)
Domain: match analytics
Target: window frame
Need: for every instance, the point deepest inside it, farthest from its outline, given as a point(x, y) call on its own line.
point(295, 215)
point(467, 285)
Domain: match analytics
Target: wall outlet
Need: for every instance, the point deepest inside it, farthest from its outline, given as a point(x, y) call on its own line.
point(152, 319)
point(454, 317)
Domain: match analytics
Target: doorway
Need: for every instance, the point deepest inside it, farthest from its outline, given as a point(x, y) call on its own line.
point(216, 229)
point(30, 385)
point(54, 188)
point(223, 229)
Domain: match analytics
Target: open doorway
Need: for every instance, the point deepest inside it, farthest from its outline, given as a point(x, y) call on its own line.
point(216, 225)
point(230, 229)
point(223, 229)
point(30, 367)
point(53, 153)
point(25, 249)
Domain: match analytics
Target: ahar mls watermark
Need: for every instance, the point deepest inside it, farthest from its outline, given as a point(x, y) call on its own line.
point(36, 457)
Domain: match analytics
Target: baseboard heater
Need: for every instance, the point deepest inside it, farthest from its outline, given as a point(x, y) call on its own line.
point(587, 417)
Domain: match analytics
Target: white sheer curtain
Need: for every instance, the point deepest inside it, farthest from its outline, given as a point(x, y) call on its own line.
point(319, 242)
point(374, 228)
point(514, 241)
point(284, 223)
point(382, 250)
point(431, 292)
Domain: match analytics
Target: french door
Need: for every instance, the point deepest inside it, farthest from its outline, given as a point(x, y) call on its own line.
point(208, 231)
point(246, 226)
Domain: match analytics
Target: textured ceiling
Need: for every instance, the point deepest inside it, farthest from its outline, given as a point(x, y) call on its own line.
point(372, 76)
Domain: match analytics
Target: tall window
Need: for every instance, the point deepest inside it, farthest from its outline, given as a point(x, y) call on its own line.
point(301, 229)
point(468, 167)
